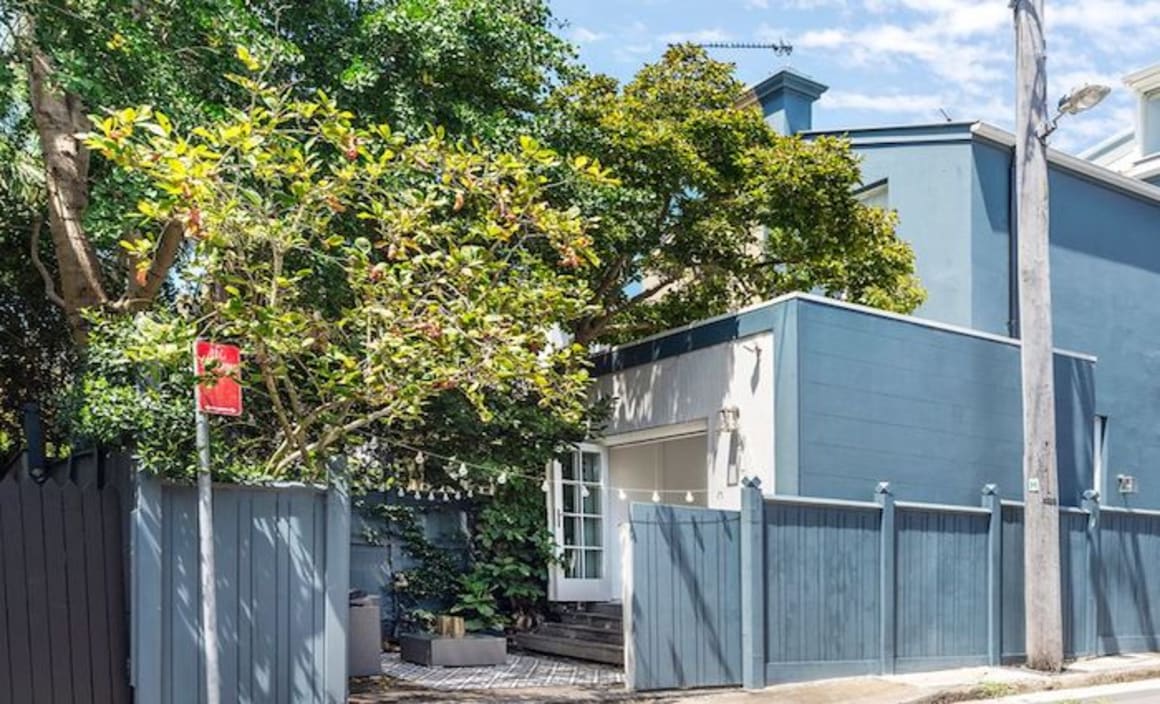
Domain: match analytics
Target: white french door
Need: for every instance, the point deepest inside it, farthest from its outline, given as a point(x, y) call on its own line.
point(578, 514)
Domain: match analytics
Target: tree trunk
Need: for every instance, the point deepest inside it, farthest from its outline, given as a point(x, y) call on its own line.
point(59, 117)
point(1042, 601)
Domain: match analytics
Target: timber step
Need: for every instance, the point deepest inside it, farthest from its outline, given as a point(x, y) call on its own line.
point(593, 620)
point(571, 648)
point(576, 631)
point(591, 631)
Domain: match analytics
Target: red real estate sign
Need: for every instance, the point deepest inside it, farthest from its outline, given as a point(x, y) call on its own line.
point(221, 395)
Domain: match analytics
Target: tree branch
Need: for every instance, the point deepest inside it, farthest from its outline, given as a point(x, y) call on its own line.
point(34, 246)
point(139, 295)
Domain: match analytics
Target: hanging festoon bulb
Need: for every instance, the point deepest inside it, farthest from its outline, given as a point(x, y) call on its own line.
point(502, 477)
point(622, 495)
point(445, 495)
point(416, 493)
point(431, 495)
point(688, 497)
point(544, 486)
point(656, 497)
point(462, 470)
point(470, 492)
point(402, 491)
point(420, 458)
point(458, 495)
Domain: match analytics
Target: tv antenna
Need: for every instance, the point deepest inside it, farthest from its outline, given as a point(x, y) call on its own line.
point(779, 48)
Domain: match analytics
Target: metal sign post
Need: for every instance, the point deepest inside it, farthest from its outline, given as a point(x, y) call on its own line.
point(222, 396)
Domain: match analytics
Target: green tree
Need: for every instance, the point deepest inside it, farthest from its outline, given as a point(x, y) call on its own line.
point(364, 274)
point(713, 209)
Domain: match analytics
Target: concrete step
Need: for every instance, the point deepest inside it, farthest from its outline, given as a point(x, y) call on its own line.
point(575, 631)
point(571, 648)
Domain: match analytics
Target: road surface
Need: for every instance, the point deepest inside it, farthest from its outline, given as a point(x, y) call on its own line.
point(1144, 692)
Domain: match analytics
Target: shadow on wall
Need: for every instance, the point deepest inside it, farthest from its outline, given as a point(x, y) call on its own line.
point(379, 554)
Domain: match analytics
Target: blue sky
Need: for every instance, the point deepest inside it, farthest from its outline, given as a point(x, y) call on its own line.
point(890, 61)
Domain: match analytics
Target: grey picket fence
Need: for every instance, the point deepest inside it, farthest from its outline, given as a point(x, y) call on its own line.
point(805, 588)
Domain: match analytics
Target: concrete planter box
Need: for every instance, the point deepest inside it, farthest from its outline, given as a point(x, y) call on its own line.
point(468, 651)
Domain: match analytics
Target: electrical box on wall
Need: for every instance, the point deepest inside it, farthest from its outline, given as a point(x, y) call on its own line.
point(1126, 483)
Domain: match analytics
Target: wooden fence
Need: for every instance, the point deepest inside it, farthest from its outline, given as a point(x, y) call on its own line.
point(63, 636)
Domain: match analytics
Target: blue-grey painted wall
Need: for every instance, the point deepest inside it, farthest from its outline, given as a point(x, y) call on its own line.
point(1105, 259)
point(932, 176)
point(934, 412)
point(378, 554)
point(861, 397)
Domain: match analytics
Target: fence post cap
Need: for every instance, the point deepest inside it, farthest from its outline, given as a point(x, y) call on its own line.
point(882, 488)
point(1091, 495)
point(990, 489)
point(752, 482)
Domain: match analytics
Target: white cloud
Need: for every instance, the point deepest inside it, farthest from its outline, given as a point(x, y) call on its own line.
point(699, 36)
point(583, 35)
point(917, 104)
point(756, 4)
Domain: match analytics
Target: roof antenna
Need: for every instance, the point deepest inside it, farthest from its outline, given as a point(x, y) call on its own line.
point(945, 115)
point(779, 48)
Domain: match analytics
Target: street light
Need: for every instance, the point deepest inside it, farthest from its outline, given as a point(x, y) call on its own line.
point(1078, 100)
point(1083, 98)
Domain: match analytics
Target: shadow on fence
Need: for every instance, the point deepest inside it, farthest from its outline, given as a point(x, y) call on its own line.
point(795, 588)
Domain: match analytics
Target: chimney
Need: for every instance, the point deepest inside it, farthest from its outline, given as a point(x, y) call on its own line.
point(1146, 85)
point(786, 98)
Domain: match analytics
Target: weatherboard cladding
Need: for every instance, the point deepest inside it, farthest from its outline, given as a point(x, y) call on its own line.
point(865, 396)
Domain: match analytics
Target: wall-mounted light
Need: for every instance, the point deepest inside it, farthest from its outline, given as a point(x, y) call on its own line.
point(728, 419)
point(1126, 483)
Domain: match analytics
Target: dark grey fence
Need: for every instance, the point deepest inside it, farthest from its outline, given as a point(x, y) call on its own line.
point(837, 588)
point(683, 618)
point(282, 561)
point(63, 638)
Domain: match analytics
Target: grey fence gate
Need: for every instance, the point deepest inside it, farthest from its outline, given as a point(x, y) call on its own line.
point(62, 608)
point(682, 612)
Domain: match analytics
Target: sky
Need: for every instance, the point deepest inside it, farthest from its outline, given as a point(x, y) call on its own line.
point(890, 62)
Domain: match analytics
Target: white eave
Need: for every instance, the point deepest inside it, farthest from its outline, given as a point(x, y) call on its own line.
point(1086, 169)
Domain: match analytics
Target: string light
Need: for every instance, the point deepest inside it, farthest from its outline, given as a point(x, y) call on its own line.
point(458, 496)
point(463, 470)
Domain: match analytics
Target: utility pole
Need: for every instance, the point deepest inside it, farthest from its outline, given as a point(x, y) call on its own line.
point(1041, 573)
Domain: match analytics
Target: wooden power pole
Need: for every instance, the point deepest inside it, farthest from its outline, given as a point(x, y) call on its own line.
point(1041, 594)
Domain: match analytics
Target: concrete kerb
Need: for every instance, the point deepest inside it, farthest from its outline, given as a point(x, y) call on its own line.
point(1015, 681)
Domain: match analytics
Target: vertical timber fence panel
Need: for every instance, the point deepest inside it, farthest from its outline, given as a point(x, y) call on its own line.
point(839, 588)
point(684, 597)
point(822, 600)
point(281, 557)
point(942, 587)
point(1128, 592)
point(63, 633)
